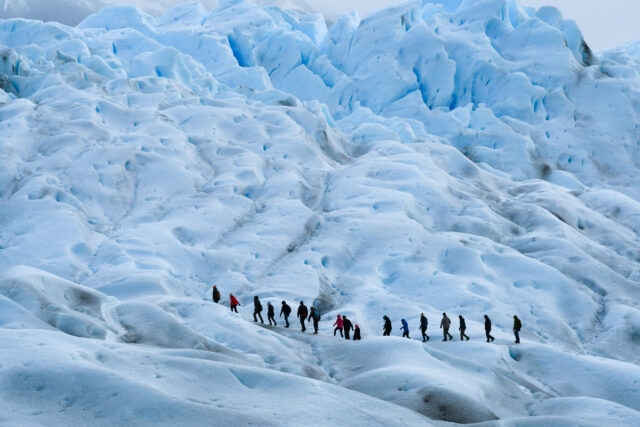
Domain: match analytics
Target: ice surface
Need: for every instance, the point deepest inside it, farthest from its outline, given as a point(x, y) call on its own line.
point(470, 157)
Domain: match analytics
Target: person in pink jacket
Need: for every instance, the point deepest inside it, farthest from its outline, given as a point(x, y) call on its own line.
point(338, 324)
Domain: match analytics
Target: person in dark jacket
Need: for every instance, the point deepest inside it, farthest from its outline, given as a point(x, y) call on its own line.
point(257, 309)
point(387, 326)
point(445, 323)
point(405, 328)
point(517, 325)
point(347, 327)
point(302, 314)
point(215, 294)
point(315, 316)
point(233, 303)
point(271, 314)
point(356, 333)
point(487, 328)
point(286, 309)
point(462, 328)
point(424, 323)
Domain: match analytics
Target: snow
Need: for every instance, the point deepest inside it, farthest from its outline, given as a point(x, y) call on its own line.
point(417, 160)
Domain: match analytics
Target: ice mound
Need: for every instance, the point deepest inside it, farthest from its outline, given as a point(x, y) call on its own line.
point(463, 156)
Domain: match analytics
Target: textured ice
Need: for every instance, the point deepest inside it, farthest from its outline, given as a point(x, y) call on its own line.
point(463, 156)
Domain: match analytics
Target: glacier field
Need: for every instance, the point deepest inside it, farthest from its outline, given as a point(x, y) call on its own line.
point(463, 156)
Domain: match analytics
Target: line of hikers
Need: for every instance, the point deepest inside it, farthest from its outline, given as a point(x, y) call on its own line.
point(345, 326)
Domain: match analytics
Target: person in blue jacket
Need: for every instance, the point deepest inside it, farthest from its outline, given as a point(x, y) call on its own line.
point(405, 328)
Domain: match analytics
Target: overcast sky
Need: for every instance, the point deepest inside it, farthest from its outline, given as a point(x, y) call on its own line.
point(604, 23)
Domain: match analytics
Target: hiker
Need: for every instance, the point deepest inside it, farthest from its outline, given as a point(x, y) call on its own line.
point(257, 309)
point(445, 323)
point(315, 316)
point(462, 328)
point(338, 324)
point(387, 326)
point(356, 333)
point(233, 303)
point(487, 328)
point(424, 323)
point(286, 309)
point(216, 294)
point(517, 325)
point(347, 326)
point(405, 328)
point(302, 314)
point(270, 314)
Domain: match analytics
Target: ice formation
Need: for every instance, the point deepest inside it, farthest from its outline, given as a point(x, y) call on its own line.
point(467, 156)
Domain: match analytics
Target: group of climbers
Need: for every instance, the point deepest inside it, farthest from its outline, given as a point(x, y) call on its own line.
point(445, 324)
point(345, 326)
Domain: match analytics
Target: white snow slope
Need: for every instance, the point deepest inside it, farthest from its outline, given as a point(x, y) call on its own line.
point(463, 156)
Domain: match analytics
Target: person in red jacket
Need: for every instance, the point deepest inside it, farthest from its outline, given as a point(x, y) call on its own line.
point(234, 303)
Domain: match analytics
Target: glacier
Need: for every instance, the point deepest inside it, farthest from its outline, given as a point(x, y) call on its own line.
point(467, 156)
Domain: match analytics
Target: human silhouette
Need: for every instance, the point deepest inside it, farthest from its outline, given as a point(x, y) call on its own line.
point(233, 303)
point(517, 325)
point(315, 316)
point(487, 328)
point(347, 326)
point(286, 310)
point(270, 314)
point(445, 323)
point(405, 328)
point(215, 294)
point(356, 333)
point(302, 314)
point(339, 325)
point(387, 326)
point(424, 323)
point(257, 309)
point(462, 328)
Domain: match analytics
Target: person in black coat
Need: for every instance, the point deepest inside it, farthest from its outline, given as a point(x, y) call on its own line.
point(315, 316)
point(347, 327)
point(302, 314)
point(487, 328)
point(215, 294)
point(356, 333)
point(424, 323)
point(387, 326)
point(462, 328)
point(517, 325)
point(270, 314)
point(257, 309)
point(286, 309)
